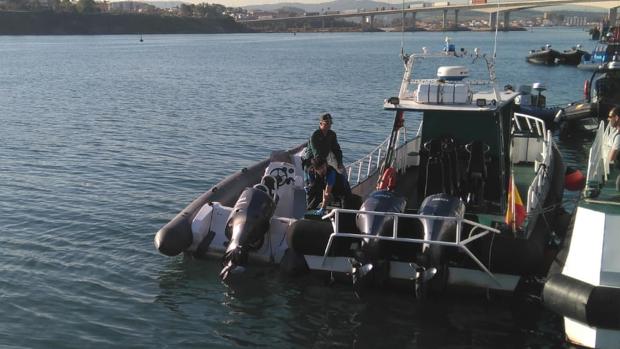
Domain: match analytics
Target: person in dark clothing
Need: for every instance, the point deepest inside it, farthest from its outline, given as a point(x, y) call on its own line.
point(323, 143)
point(324, 184)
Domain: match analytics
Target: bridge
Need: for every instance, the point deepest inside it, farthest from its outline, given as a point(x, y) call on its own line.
point(493, 8)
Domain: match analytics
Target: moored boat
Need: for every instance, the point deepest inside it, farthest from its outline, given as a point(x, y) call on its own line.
point(601, 93)
point(546, 55)
point(573, 56)
point(584, 284)
point(470, 200)
point(605, 51)
point(454, 215)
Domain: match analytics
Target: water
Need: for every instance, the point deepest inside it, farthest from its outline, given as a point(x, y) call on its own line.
point(104, 139)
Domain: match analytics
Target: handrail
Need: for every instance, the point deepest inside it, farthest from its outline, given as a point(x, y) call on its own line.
point(598, 161)
point(537, 191)
point(532, 123)
point(461, 244)
point(359, 170)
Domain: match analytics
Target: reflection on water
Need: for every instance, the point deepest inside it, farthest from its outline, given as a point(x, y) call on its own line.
point(265, 309)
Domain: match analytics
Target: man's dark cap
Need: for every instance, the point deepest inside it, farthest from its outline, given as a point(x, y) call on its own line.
point(325, 117)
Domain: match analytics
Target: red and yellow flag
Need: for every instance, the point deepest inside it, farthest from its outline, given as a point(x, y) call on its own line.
point(515, 214)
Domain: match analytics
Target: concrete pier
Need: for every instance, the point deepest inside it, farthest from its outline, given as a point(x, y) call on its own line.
point(506, 20)
point(456, 19)
point(492, 19)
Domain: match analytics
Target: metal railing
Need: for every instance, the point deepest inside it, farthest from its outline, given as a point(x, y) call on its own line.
point(539, 188)
point(358, 171)
point(462, 245)
point(531, 124)
point(598, 160)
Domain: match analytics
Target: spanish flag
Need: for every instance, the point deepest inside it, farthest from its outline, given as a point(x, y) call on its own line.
point(515, 214)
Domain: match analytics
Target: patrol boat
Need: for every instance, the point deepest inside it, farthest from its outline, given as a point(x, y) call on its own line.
point(584, 284)
point(471, 199)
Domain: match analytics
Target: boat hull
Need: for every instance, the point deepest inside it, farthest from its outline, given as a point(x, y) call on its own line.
point(546, 57)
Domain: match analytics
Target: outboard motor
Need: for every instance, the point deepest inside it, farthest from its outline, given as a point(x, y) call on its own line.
point(247, 225)
point(371, 252)
point(434, 257)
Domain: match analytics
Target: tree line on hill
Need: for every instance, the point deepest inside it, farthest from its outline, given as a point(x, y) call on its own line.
point(41, 17)
point(79, 6)
point(202, 10)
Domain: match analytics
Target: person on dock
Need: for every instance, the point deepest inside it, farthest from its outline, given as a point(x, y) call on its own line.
point(325, 184)
point(324, 143)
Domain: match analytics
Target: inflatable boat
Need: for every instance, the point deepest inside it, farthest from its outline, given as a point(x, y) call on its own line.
point(470, 200)
point(601, 93)
point(545, 55)
point(584, 283)
point(573, 56)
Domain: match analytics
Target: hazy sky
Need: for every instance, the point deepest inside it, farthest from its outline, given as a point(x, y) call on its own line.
point(235, 3)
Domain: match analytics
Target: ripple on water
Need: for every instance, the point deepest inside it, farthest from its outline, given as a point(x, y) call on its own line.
point(104, 141)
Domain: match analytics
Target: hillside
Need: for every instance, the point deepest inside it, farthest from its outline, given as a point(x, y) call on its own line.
point(44, 23)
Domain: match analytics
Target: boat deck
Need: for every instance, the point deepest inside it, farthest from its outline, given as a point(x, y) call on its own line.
point(608, 200)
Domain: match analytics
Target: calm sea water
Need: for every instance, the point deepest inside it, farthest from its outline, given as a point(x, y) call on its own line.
point(104, 139)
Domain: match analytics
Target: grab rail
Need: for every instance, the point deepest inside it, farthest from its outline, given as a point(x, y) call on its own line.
point(598, 160)
point(359, 170)
point(534, 125)
point(335, 213)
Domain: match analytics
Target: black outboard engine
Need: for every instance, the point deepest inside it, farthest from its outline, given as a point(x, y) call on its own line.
point(372, 251)
point(435, 257)
point(247, 225)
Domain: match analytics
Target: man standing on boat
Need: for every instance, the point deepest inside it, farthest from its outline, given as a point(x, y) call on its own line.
point(614, 122)
point(324, 143)
point(324, 183)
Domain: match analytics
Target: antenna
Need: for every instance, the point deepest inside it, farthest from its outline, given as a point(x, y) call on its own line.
point(402, 32)
point(496, 27)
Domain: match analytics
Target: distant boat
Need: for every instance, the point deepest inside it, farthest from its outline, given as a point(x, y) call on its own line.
point(546, 55)
point(573, 56)
point(601, 94)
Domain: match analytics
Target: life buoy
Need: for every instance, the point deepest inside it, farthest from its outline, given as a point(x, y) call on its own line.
point(586, 89)
point(388, 179)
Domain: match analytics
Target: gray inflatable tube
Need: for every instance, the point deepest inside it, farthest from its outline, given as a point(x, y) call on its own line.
point(176, 236)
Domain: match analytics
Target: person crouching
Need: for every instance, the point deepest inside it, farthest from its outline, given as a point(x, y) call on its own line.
point(324, 183)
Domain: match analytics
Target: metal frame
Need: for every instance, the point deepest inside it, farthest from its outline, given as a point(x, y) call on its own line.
point(410, 59)
point(335, 213)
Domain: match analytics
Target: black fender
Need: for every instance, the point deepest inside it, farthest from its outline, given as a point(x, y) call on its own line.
point(596, 306)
